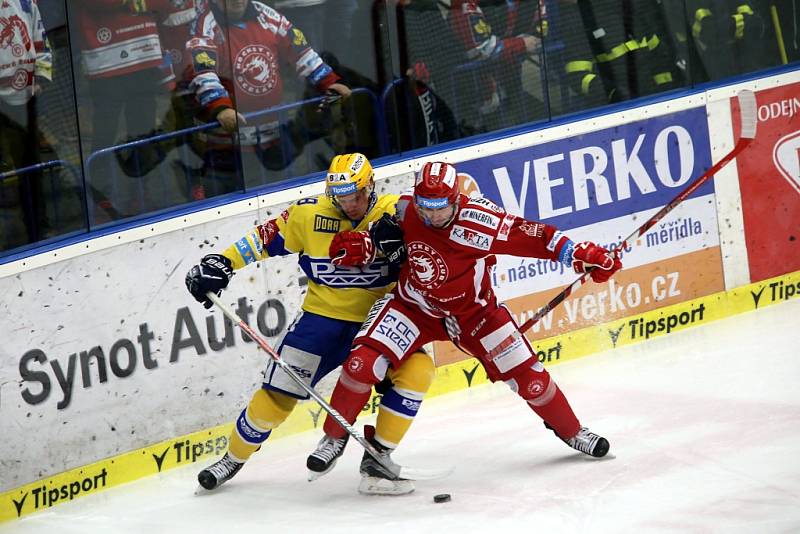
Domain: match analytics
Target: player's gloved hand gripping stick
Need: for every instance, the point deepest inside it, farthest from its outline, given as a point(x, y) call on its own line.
point(747, 108)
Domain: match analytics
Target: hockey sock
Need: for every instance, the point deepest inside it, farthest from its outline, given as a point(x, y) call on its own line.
point(266, 411)
point(559, 415)
point(401, 403)
point(347, 400)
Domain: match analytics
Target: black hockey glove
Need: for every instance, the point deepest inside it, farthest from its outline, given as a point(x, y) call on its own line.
point(212, 274)
point(388, 239)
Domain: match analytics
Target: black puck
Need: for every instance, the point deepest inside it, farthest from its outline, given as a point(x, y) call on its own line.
point(442, 497)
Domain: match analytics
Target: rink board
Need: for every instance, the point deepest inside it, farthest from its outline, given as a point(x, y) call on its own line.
point(106, 353)
point(202, 447)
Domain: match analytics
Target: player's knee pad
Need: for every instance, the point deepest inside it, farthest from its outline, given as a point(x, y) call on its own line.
point(266, 410)
point(363, 368)
point(305, 365)
point(416, 373)
point(532, 383)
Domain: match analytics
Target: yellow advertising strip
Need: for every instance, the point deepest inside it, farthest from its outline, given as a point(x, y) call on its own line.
point(206, 445)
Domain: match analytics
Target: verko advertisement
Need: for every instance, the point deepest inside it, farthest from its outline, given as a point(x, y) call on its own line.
point(601, 186)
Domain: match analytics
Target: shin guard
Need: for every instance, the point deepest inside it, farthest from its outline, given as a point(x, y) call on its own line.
point(534, 384)
point(266, 411)
point(363, 368)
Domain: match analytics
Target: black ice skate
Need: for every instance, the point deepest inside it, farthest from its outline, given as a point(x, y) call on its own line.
point(219, 472)
point(586, 442)
point(324, 457)
point(374, 479)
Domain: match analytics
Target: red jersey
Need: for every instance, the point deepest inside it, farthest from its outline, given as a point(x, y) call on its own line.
point(475, 33)
point(448, 269)
point(241, 61)
point(119, 39)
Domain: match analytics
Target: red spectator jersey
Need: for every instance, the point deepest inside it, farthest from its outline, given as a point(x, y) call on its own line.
point(475, 33)
point(448, 269)
point(23, 50)
point(242, 60)
point(121, 39)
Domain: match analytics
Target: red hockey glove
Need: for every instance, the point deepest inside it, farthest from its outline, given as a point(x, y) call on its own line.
point(587, 254)
point(352, 249)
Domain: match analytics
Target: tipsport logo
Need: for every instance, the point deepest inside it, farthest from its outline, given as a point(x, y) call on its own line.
point(44, 497)
point(188, 451)
point(775, 292)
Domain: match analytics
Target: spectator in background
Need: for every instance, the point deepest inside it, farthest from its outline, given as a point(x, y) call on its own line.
point(625, 50)
point(127, 74)
point(236, 50)
point(495, 61)
point(729, 37)
point(25, 68)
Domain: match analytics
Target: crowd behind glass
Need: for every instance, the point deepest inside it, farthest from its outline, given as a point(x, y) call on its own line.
point(113, 110)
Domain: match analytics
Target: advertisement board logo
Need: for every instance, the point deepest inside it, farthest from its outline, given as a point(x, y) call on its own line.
point(615, 334)
point(467, 185)
point(786, 157)
point(469, 375)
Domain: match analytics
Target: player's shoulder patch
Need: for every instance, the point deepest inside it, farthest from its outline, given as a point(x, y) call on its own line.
point(484, 204)
point(267, 11)
point(479, 217)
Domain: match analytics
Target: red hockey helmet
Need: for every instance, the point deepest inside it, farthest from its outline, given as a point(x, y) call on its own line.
point(436, 190)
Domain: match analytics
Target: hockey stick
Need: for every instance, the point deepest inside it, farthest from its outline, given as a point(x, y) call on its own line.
point(394, 472)
point(747, 108)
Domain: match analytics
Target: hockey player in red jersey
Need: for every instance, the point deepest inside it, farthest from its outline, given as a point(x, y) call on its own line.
point(444, 292)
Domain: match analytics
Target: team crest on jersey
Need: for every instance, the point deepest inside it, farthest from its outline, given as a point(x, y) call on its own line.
point(328, 225)
point(256, 70)
point(103, 35)
point(471, 238)
point(532, 229)
point(10, 28)
point(479, 217)
point(427, 265)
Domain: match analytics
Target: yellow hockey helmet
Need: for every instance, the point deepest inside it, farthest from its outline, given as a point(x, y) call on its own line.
point(347, 174)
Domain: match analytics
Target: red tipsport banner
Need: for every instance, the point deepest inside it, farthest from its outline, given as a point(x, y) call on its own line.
point(769, 179)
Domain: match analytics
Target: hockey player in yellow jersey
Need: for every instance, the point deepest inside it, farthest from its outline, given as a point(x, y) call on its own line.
point(333, 310)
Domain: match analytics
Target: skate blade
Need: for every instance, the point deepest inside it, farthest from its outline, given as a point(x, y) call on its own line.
point(382, 486)
point(314, 475)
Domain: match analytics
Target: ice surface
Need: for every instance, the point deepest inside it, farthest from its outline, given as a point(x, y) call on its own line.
point(704, 428)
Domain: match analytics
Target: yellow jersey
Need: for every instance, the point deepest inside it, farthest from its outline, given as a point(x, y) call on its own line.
point(307, 228)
